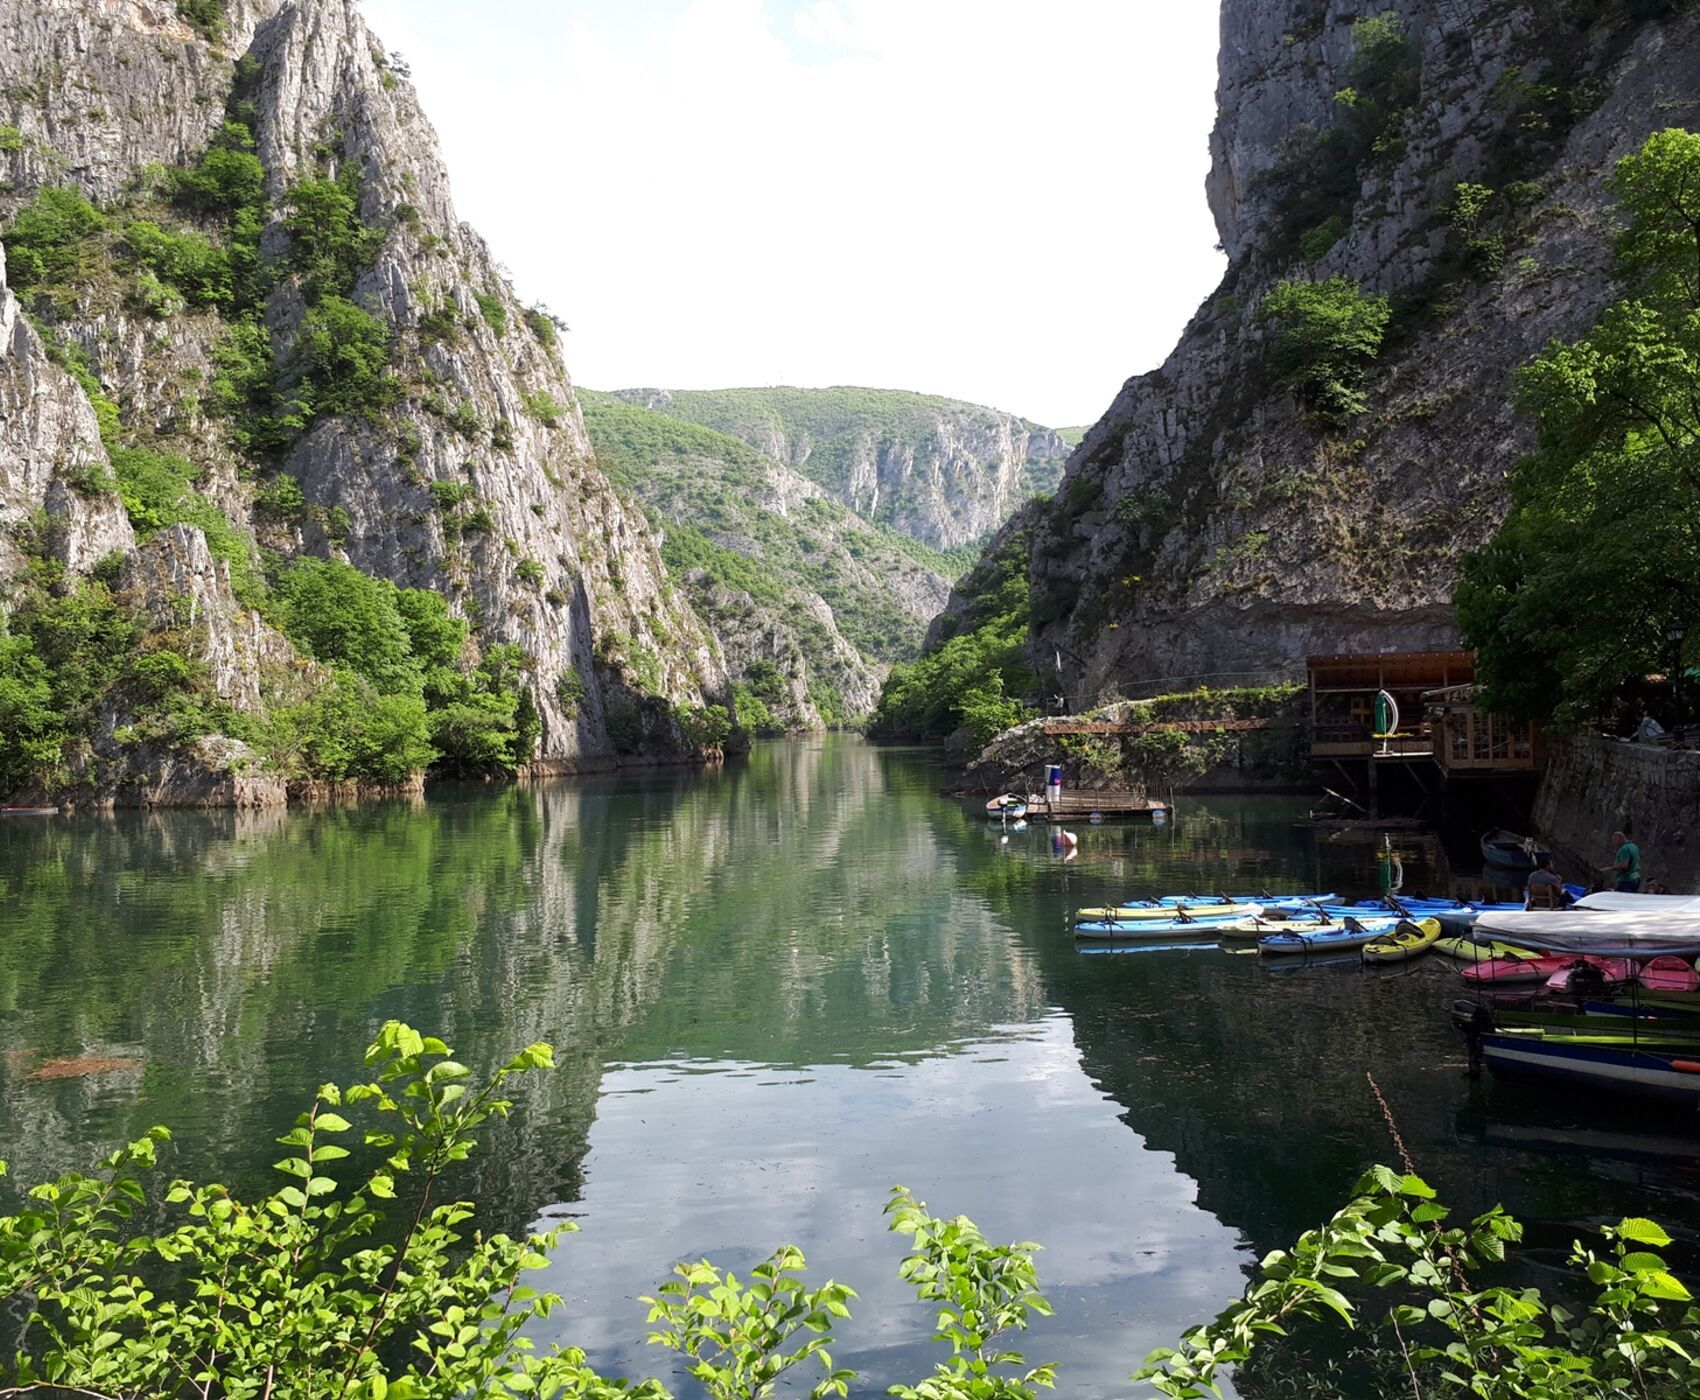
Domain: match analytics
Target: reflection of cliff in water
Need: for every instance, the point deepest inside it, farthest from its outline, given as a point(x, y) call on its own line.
point(238, 961)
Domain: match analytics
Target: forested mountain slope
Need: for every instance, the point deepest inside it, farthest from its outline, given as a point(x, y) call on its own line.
point(293, 488)
point(809, 602)
point(941, 471)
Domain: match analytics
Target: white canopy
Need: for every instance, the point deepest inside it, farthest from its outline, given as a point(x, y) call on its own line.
point(1671, 925)
point(1637, 903)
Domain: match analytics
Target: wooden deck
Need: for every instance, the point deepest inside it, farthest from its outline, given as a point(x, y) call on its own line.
point(1184, 726)
point(1079, 806)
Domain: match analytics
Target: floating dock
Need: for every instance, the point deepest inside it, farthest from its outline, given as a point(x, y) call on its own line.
point(1075, 806)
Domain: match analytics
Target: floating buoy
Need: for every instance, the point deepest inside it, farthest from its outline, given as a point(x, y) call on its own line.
point(1069, 838)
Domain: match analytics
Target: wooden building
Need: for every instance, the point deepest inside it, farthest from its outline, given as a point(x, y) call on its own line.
point(1439, 720)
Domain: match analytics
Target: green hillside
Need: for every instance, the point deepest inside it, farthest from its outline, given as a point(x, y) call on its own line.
point(972, 465)
point(759, 551)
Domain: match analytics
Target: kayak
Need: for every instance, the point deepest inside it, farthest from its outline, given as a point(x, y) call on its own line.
point(1407, 941)
point(1259, 925)
point(1669, 974)
point(1134, 913)
point(1600, 972)
point(1148, 928)
point(1267, 900)
point(1501, 972)
point(1354, 934)
point(1464, 950)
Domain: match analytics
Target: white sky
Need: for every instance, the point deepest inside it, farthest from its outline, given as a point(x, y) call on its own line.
point(999, 200)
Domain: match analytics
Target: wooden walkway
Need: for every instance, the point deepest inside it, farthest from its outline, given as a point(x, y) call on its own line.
point(1075, 806)
point(1183, 726)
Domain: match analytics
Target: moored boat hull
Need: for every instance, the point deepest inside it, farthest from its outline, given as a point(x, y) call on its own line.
point(1668, 1074)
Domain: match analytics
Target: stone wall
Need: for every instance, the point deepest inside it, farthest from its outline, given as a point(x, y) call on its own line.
point(1593, 786)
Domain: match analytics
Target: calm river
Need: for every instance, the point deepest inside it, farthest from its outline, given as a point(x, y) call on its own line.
point(775, 991)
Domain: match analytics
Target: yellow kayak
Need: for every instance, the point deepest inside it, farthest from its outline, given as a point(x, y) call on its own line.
point(1409, 940)
point(1465, 951)
point(1123, 913)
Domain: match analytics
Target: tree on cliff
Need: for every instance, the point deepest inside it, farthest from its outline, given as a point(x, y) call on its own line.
point(1601, 549)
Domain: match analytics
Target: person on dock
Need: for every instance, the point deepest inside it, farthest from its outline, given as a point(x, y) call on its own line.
point(1626, 868)
point(1545, 886)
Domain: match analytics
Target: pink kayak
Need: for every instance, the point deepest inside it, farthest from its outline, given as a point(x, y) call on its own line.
point(1612, 970)
point(1504, 972)
point(1669, 974)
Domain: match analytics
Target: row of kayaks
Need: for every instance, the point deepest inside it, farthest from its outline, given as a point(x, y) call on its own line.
point(1454, 915)
point(1305, 925)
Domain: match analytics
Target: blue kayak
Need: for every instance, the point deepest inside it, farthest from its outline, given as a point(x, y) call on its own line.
point(1193, 926)
point(1204, 901)
point(1357, 933)
point(1374, 908)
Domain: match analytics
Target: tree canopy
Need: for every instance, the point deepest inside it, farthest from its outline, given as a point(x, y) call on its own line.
point(1600, 552)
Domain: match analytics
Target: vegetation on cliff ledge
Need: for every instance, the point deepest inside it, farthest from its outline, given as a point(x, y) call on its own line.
point(1598, 556)
point(975, 676)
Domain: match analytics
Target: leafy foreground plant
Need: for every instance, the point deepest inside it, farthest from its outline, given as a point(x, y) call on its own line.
point(306, 1294)
point(1484, 1341)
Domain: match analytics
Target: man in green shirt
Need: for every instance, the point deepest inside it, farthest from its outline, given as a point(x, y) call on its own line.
point(1627, 868)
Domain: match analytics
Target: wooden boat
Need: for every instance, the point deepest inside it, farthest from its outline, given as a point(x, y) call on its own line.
point(1407, 941)
point(29, 811)
point(1509, 851)
point(1668, 973)
point(1465, 950)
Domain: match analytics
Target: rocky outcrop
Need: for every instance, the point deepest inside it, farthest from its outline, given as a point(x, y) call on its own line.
point(941, 471)
point(551, 559)
point(175, 580)
point(1207, 524)
point(54, 475)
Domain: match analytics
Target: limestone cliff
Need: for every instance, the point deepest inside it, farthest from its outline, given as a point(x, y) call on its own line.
point(475, 477)
point(944, 472)
point(1207, 524)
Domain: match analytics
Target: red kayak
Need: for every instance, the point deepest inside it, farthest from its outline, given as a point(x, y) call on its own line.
point(1503, 972)
point(1669, 974)
point(1611, 970)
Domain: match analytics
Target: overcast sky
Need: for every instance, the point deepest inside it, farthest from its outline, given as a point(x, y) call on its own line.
point(999, 200)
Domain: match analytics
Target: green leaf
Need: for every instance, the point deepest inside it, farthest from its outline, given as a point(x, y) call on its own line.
point(1641, 1231)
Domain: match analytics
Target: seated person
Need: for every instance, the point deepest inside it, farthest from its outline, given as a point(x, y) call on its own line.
point(1545, 888)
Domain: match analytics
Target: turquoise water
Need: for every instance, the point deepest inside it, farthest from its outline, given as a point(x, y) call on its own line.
point(775, 991)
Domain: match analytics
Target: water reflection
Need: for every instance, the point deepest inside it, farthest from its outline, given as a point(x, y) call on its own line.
point(776, 990)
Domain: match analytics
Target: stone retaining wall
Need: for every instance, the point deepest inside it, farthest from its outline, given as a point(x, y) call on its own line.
point(1592, 786)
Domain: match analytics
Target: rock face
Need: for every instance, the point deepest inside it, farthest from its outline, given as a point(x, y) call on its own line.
point(1593, 784)
point(1208, 525)
point(105, 91)
point(49, 448)
point(943, 472)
